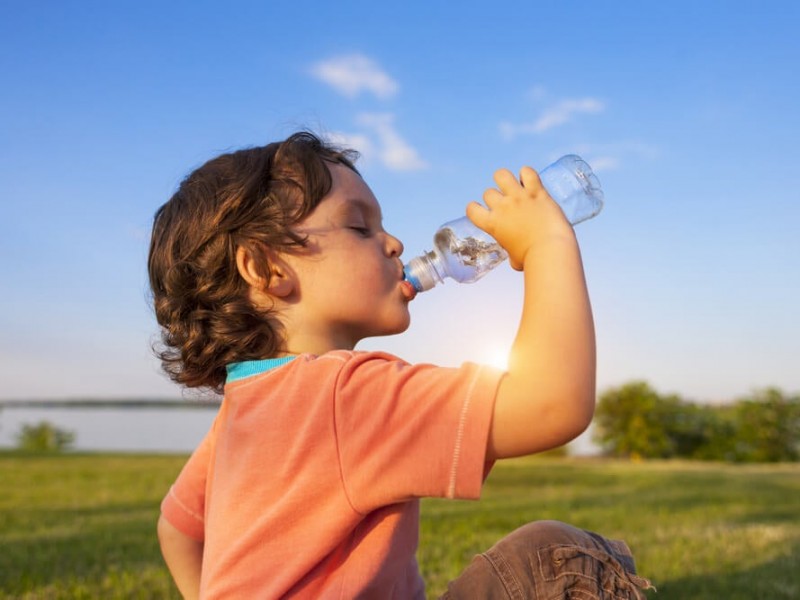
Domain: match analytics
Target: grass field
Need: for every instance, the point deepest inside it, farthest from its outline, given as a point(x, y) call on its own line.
point(82, 526)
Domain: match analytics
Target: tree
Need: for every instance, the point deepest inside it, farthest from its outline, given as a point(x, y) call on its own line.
point(629, 421)
point(719, 426)
point(636, 422)
point(690, 428)
point(44, 437)
point(768, 427)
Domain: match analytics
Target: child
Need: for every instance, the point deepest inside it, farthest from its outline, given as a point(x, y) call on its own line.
point(267, 267)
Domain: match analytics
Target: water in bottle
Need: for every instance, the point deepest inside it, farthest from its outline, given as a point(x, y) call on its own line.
point(466, 253)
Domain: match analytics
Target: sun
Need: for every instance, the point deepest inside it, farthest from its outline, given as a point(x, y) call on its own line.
point(496, 357)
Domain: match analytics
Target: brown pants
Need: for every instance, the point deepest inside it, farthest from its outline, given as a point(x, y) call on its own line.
point(550, 560)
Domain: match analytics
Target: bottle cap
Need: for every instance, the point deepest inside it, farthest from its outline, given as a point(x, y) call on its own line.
point(419, 274)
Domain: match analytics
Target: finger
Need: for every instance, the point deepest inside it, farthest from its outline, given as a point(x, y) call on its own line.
point(506, 181)
point(530, 179)
point(491, 197)
point(478, 214)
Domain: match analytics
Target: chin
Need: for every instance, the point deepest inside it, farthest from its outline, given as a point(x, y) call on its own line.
point(403, 328)
point(406, 322)
point(399, 327)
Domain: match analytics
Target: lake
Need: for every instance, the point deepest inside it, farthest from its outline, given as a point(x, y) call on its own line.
point(124, 429)
point(142, 429)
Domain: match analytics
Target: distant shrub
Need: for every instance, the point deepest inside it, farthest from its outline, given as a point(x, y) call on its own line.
point(637, 422)
point(44, 437)
point(768, 427)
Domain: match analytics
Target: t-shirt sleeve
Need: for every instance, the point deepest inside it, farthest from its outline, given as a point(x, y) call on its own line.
point(407, 431)
point(184, 504)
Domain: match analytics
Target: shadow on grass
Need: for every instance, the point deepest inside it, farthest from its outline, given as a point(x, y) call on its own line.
point(777, 579)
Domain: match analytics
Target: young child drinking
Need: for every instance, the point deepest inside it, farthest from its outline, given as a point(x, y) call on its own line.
point(267, 267)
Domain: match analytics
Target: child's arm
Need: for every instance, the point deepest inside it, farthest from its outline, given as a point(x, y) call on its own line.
point(547, 398)
point(184, 557)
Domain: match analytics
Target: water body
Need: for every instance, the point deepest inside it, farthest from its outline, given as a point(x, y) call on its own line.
point(172, 429)
point(124, 429)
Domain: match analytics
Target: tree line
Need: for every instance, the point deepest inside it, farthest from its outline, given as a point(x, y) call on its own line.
point(635, 421)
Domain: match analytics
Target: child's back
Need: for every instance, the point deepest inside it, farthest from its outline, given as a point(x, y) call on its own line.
point(316, 468)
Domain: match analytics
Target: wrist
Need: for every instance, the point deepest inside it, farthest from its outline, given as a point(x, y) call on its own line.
point(545, 248)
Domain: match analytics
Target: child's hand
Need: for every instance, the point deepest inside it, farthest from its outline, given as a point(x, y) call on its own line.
point(519, 214)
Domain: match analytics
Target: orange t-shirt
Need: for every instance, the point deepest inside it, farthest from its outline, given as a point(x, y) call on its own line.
point(307, 485)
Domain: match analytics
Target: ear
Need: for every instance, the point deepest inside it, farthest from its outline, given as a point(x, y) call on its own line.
point(279, 283)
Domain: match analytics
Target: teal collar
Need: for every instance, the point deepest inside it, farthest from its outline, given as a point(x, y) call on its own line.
point(248, 368)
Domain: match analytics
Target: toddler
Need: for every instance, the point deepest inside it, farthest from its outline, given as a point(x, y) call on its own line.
point(267, 267)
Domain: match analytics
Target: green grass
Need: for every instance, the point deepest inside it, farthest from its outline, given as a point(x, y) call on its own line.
point(83, 525)
point(697, 530)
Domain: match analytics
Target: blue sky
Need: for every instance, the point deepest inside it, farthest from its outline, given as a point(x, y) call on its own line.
point(687, 110)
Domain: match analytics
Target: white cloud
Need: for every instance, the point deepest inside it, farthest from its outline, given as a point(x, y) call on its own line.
point(391, 149)
point(537, 93)
point(352, 74)
point(564, 111)
point(354, 141)
point(604, 163)
point(611, 156)
point(378, 139)
point(558, 114)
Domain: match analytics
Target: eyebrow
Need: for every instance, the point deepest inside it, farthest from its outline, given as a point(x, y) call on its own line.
point(364, 206)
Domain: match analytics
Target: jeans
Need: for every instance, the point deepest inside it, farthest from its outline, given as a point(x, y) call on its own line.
point(550, 560)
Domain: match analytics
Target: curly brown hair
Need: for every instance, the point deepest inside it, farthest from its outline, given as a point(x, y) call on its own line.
point(251, 198)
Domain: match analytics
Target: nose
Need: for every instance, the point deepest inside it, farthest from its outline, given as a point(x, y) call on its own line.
point(394, 247)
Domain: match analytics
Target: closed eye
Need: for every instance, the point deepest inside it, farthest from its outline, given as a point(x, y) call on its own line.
point(362, 231)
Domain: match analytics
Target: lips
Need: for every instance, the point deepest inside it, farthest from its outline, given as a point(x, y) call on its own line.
point(409, 291)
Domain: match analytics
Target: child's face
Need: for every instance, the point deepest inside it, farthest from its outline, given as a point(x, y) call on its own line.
point(349, 278)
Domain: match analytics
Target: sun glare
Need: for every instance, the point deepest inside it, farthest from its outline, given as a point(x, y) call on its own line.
point(496, 357)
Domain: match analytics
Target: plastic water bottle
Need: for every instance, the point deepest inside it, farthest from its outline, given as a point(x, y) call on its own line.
point(466, 253)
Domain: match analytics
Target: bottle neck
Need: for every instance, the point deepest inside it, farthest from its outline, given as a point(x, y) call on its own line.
point(425, 271)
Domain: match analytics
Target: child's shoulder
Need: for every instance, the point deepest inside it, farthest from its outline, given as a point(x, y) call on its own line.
point(338, 359)
point(243, 374)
